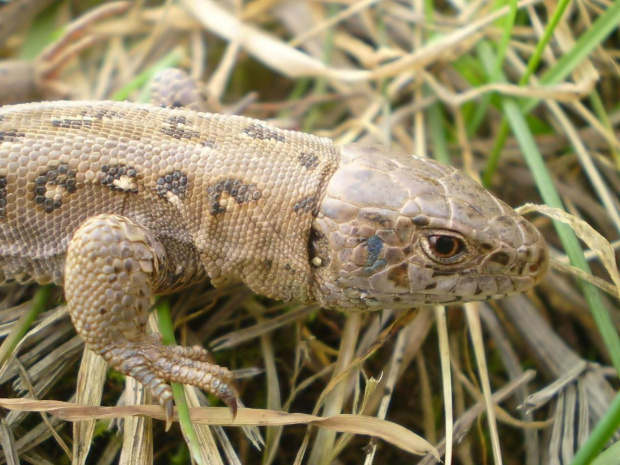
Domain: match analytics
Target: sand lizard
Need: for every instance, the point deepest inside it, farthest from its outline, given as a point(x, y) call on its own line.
point(118, 201)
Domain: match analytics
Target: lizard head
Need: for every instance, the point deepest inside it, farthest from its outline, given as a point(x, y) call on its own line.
point(400, 231)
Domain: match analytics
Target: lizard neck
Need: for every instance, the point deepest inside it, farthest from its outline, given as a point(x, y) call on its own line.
point(255, 226)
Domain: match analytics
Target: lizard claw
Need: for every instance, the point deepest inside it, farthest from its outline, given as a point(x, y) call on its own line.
point(231, 401)
point(169, 408)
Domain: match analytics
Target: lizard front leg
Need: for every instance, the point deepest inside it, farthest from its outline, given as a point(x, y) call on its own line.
point(112, 266)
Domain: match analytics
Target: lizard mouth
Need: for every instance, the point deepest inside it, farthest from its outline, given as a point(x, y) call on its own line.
point(412, 282)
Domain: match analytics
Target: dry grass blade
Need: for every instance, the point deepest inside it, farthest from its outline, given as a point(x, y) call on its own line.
point(557, 358)
point(446, 377)
point(89, 390)
point(354, 424)
point(268, 49)
point(15, 15)
point(7, 440)
point(333, 396)
point(603, 285)
point(236, 338)
point(467, 419)
point(543, 396)
point(473, 320)
point(137, 430)
point(586, 233)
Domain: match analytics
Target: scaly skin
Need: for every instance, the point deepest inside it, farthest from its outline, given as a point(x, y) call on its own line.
point(120, 201)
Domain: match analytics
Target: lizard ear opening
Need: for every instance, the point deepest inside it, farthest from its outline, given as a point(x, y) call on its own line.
point(318, 248)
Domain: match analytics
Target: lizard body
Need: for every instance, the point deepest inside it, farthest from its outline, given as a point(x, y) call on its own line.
point(117, 201)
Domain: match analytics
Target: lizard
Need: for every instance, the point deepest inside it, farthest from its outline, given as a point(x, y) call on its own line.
point(118, 201)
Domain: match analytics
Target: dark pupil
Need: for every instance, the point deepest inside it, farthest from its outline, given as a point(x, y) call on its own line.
point(445, 246)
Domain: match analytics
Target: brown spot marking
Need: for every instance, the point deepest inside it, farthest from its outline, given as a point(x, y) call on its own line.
point(101, 113)
point(506, 221)
point(431, 286)
point(120, 178)
point(74, 122)
point(376, 218)
point(177, 128)
point(3, 190)
point(308, 160)
point(234, 188)
point(398, 275)
point(260, 132)
point(174, 182)
point(500, 257)
point(268, 263)
point(51, 185)
point(11, 135)
point(306, 205)
point(487, 247)
point(476, 208)
point(421, 221)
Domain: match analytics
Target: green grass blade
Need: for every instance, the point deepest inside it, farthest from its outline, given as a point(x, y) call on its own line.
point(571, 245)
point(601, 434)
point(167, 332)
point(23, 324)
point(140, 81)
point(481, 110)
point(540, 47)
point(438, 133)
point(587, 42)
point(611, 421)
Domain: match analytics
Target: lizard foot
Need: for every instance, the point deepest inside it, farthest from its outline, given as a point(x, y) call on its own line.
point(113, 265)
point(155, 365)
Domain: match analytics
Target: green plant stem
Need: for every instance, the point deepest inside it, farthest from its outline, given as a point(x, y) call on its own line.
point(167, 332)
point(21, 327)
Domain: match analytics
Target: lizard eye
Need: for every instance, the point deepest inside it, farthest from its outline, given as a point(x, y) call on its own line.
point(444, 248)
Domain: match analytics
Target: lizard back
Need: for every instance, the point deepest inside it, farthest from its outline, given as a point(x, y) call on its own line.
point(225, 195)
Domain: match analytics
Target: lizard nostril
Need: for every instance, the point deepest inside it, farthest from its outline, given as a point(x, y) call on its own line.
point(534, 267)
